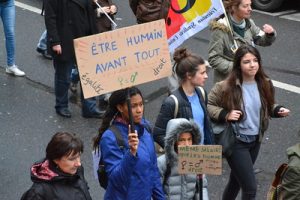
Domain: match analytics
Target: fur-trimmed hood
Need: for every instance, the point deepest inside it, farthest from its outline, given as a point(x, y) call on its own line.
point(220, 24)
point(174, 128)
point(47, 171)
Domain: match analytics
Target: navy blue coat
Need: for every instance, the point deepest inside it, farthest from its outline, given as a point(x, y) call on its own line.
point(184, 111)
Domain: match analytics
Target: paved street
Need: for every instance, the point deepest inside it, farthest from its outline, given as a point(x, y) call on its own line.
point(28, 119)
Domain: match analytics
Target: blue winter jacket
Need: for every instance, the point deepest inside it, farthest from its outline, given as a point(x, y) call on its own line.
point(131, 177)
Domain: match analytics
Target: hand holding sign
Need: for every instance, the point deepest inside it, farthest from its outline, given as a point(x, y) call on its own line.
point(133, 142)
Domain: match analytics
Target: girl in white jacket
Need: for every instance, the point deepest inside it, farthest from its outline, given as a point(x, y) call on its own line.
point(180, 131)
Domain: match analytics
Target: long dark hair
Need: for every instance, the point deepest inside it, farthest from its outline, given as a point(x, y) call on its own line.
point(232, 96)
point(117, 98)
point(186, 62)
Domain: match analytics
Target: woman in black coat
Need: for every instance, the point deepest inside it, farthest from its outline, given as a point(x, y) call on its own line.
point(65, 21)
point(60, 174)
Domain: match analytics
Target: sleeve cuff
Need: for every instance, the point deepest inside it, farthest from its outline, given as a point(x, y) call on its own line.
point(276, 110)
point(222, 116)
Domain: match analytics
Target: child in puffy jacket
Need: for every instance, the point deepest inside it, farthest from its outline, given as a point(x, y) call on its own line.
point(180, 131)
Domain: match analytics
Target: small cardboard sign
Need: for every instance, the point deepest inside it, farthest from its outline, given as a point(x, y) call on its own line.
point(200, 159)
point(122, 58)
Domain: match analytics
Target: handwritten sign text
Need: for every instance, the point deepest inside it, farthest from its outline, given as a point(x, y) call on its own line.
point(200, 159)
point(122, 58)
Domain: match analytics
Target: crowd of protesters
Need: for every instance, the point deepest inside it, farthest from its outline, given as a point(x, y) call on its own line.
point(242, 94)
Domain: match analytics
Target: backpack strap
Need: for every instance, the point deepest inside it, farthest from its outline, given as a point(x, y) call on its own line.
point(274, 191)
point(116, 131)
point(202, 92)
point(176, 105)
point(279, 174)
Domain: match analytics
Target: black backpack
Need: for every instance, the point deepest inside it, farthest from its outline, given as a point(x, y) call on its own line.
point(102, 176)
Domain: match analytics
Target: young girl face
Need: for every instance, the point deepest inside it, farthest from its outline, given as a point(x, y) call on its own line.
point(243, 10)
point(185, 139)
point(137, 107)
point(249, 67)
point(200, 77)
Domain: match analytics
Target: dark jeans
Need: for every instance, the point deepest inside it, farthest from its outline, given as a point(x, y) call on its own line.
point(242, 174)
point(75, 75)
point(62, 84)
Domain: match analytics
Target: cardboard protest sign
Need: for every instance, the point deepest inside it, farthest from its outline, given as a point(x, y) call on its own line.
point(200, 159)
point(122, 58)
